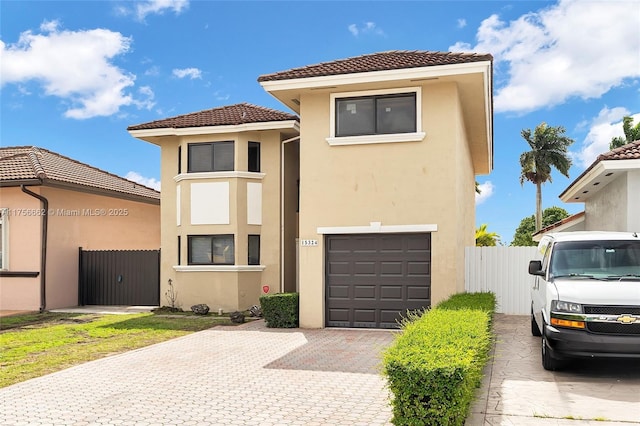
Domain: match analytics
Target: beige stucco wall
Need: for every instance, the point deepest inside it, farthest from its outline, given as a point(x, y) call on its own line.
point(426, 182)
point(119, 225)
point(229, 290)
point(607, 209)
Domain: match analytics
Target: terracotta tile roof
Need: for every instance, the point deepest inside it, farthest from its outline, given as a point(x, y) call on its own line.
point(391, 60)
point(559, 223)
point(230, 115)
point(630, 151)
point(25, 163)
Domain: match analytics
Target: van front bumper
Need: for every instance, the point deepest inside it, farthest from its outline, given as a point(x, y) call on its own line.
point(582, 343)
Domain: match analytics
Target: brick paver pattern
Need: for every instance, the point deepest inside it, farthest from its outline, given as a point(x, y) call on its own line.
point(222, 376)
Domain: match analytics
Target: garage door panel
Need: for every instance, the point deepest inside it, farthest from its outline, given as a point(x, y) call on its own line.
point(418, 269)
point(419, 294)
point(376, 278)
point(339, 268)
point(391, 268)
point(364, 292)
point(364, 268)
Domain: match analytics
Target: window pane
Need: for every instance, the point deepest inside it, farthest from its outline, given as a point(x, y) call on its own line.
point(200, 249)
point(200, 158)
point(223, 249)
point(222, 156)
point(254, 250)
point(254, 157)
point(355, 117)
point(396, 114)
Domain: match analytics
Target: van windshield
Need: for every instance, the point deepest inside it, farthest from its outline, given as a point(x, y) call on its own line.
point(596, 259)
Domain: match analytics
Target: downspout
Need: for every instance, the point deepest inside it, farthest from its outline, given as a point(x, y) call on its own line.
point(43, 247)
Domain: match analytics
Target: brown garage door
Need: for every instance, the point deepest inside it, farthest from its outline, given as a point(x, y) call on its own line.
point(372, 279)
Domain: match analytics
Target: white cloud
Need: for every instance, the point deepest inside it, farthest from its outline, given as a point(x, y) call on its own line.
point(149, 182)
point(76, 66)
point(486, 191)
point(144, 8)
point(462, 23)
point(607, 125)
point(192, 73)
point(154, 71)
point(572, 49)
point(365, 29)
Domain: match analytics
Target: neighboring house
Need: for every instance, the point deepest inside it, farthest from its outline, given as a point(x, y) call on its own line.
point(364, 205)
point(610, 191)
point(50, 206)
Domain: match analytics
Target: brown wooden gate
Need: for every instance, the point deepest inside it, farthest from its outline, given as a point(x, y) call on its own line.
point(119, 277)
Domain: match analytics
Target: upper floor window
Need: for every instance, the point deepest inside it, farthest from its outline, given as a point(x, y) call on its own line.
point(374, 115)
point(254, 157)
point(210, 157)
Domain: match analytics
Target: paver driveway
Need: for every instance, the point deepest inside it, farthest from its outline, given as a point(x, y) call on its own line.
point(225, 375)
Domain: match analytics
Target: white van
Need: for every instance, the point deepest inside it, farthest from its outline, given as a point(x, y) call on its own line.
point(585, 297)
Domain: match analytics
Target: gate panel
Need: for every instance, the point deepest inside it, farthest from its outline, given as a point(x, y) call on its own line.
point(119, 277)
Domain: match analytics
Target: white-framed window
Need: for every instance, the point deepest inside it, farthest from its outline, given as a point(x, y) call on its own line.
point(4, 239)
point(211, 249)
point(376, 116)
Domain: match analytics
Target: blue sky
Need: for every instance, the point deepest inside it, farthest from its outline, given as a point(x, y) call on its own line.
point(75, 74)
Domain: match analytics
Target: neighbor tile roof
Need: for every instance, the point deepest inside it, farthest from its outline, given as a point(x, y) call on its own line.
point(630, 151)
point(230, 115)
point(559, 223)
point(391, 60)
point(25, 163)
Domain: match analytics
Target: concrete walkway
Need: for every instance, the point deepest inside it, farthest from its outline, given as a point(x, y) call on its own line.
point(518, 391)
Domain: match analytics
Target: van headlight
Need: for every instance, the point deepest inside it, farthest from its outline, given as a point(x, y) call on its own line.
point(569, 307)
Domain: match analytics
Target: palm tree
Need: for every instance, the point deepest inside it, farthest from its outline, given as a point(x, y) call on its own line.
point(548, 149)
point(485, 238)
point(631, 133)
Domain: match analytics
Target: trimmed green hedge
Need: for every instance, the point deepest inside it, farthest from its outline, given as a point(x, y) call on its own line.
point(280, 310)
point(435, 365)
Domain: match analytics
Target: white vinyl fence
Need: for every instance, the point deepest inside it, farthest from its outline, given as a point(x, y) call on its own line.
point(503, 271)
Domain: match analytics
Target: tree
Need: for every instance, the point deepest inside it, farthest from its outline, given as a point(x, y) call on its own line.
point(527, 225)
point(631, 133)
point(548, 149)
point(485, 238)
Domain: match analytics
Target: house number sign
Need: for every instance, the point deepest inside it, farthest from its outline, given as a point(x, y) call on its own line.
point(308, 243)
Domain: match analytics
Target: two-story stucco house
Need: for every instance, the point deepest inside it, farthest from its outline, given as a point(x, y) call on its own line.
point(363, 205)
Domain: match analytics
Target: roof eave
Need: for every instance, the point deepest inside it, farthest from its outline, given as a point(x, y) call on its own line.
point(7, 183)
point(596, 172)
point(418, 73)
point(206, 130)
point(101, 191)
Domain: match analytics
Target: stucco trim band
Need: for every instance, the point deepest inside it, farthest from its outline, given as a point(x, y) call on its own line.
point(377, 228)
point(218, 175)
point(388, 138)
point(219, 268)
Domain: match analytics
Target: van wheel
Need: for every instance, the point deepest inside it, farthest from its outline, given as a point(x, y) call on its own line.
point(548, 361)
point(535, 330)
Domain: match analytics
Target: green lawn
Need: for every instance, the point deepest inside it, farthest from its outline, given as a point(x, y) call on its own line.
point(37, 344)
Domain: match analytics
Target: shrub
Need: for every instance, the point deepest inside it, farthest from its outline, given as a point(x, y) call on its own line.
point(280, 310)
point(435, 365)
point(480, 301)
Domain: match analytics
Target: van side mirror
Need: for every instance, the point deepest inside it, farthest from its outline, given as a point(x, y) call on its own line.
point(535, 268)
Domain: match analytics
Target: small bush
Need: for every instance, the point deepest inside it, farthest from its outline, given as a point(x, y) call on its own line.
point(280, 310)
point(435, 365)
point(480, 301)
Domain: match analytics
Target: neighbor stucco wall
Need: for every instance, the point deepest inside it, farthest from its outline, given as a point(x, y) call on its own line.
point(633, 201)
point(229, 290)
point(23, 225)
point(403, 183)
point(75, 219)
point(607, 209)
